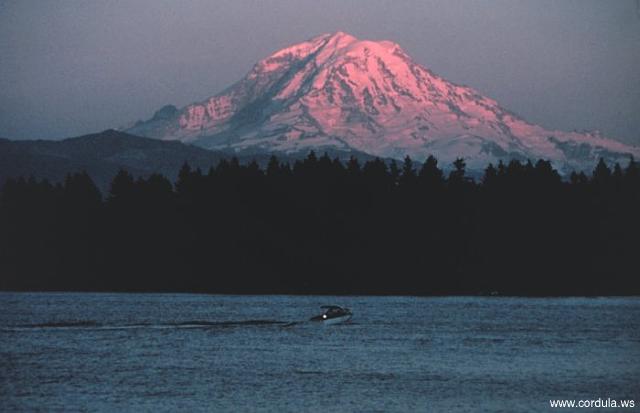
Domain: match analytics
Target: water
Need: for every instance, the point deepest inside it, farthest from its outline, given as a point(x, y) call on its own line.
point(165, 352)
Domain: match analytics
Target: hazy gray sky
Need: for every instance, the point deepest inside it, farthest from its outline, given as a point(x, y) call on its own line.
point(74, 67)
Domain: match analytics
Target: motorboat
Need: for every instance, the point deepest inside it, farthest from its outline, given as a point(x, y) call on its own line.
point(333, 314)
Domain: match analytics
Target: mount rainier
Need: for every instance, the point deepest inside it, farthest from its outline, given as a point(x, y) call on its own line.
point(338, 93)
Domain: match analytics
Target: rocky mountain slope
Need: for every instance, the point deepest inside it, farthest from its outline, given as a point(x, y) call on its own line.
point(340, 93)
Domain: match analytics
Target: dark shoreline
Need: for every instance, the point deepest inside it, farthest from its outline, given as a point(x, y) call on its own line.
point(325, 227)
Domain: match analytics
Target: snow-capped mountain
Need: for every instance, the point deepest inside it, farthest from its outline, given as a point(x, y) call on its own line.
point(341, 93)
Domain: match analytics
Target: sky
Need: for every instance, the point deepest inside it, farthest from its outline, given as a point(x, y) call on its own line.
point(69, 68)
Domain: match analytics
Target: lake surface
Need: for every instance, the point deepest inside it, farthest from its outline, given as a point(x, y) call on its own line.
point(184, 352)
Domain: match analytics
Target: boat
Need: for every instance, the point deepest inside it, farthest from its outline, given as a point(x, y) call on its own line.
point(333, 314)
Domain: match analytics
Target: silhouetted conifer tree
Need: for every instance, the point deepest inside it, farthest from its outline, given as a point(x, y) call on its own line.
point(578, 178)
point(501, 169)
point(457, 175)
point(617, 173)
point(394, 171)
point(353, 167)
point(156, 189)
point(490, 175)
point(273, 167)
point(80, 189)
point(601, 174)
point(183, 184)
point(376, 175)
point(408, 176)
point(122, 187)
point(430, 175)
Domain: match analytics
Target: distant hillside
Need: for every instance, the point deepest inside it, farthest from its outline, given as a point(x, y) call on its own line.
point(101, 155)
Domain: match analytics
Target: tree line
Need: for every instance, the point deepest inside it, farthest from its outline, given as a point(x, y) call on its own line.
point(323, 226)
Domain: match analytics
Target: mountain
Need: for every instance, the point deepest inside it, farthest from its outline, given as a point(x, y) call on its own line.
point(101, 155)
point(337, 92)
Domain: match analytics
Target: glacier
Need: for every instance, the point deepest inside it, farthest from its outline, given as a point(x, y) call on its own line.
point(339, 93)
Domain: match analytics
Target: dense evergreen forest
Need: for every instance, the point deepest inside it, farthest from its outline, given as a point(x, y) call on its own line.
point(323, 226)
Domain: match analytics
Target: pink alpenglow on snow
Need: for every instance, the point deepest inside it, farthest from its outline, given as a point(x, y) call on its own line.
point(336, 92)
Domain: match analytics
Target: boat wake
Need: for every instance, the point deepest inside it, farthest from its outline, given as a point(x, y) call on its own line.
point(94, 325)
